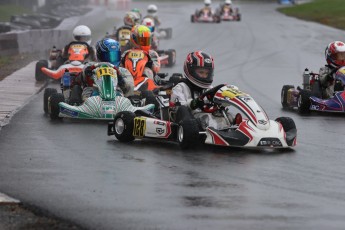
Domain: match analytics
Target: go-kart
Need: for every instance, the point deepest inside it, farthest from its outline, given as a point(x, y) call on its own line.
point(256, 130)
point(310, 97)
point(205, 15)
point(77, 52)
point(102, 107)
point(228, 14)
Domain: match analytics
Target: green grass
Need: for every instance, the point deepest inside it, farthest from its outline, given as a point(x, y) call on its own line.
point(7, 10)
point(328, 12)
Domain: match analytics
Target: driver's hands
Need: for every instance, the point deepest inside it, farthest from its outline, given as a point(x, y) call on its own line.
point(197, 103)
point(210, 93)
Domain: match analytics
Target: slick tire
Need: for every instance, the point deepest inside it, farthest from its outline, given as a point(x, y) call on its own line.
point(47, 93)
point(39, 75)
point(304, 103)
point(283, 95)
point(54, 109)
point(289, 127)
point(188, 133)
point(123, 126)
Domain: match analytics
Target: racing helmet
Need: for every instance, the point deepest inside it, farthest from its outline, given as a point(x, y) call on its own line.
point(149, 23)
point(108, 50)
point(335, 54)
point(82, 33)
point(131, 18)
point(198, 69)
point(207, 2)
point(141, 37)
point(228, 2)
point(152, 9)
point(136, 10)
point(135, 62)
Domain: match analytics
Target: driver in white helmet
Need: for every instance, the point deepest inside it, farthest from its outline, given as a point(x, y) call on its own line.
point(82, 36)
point(207, 8)
point(226, 5)
point(152, 13)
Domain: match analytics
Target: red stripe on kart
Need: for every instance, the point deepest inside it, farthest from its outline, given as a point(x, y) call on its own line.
point(217, 140)
point(168, 124)
point(245, 107)
point(244, 128)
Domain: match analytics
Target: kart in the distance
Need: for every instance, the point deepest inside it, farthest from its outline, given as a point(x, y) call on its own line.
point(256, 130)
point(205, 16)
point(310, 97)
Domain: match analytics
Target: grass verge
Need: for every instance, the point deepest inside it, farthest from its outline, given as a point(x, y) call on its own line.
point(6, 11)
point(327, 12)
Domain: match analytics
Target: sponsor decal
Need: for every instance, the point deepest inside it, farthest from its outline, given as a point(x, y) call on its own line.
point(159, 123)
point(272, 142)
point(69, 112)
point(262, 122)
point(160, 131)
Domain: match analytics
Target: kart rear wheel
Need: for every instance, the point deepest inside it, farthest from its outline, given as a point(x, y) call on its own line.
point(316, 89)
point(188, 133)
point(53, 105)
point(39, 75)
point(192, 18)
point(123, 126)
point(303, 102)
point(283, 95)
point(47, 93)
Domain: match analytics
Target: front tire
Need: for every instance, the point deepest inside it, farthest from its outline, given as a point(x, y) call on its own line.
point(47, 93)
point(188, 133)
point(304, 102)
point(39, 75)
point(123, 126)
point(54, 109)
point(290, 129)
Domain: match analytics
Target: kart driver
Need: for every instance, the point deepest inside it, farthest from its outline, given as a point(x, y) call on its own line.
point(198, 77)
point(207, 8)
point(152, 13)
point(82, 36)
point(141, 38)
point(108, 50)
point(226, 5)
point(335, 58)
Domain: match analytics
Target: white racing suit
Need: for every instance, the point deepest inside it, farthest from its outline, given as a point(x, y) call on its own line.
point(183, 94)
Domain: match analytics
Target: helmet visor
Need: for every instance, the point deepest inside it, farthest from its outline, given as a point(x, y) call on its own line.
point(82, 38)
point(144, 41)
point(114, 57)
point(339, 56)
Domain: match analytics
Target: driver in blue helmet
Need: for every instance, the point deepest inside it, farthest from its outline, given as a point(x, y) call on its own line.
point(108, 51)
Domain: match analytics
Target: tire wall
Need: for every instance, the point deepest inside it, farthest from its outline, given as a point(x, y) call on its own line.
point(31, 41)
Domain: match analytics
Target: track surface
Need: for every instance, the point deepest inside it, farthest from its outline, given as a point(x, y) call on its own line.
point(74, 171)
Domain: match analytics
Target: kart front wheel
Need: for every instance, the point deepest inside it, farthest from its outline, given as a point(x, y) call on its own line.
point(303, 102)
point(123, 126)
point(188, 133)
point(53, 105)
point(47, 93)
point(283, 95)
point(289, 127)
point(39, 75)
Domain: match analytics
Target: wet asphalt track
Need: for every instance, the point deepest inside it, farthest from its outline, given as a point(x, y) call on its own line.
point(73, 170)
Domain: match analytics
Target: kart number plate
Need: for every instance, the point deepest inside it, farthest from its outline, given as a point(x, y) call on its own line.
point(105, 71)
point(136, 54)
point(139, 127)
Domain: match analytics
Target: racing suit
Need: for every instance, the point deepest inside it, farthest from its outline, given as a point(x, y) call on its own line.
point(125, 82)
point(208, 9)
point(184, 93)
point(91, 53)
point(223, 7)
point(326, 75)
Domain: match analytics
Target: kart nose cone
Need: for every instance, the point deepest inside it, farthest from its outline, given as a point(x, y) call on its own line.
point(119, 126)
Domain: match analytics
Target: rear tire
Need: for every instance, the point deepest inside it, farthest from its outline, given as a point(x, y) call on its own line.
point(304, 102)
point(47, 93)
point(283, 95)
point(39, 75)
point(54, 101)
point(123, 126)
point(192, 18)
